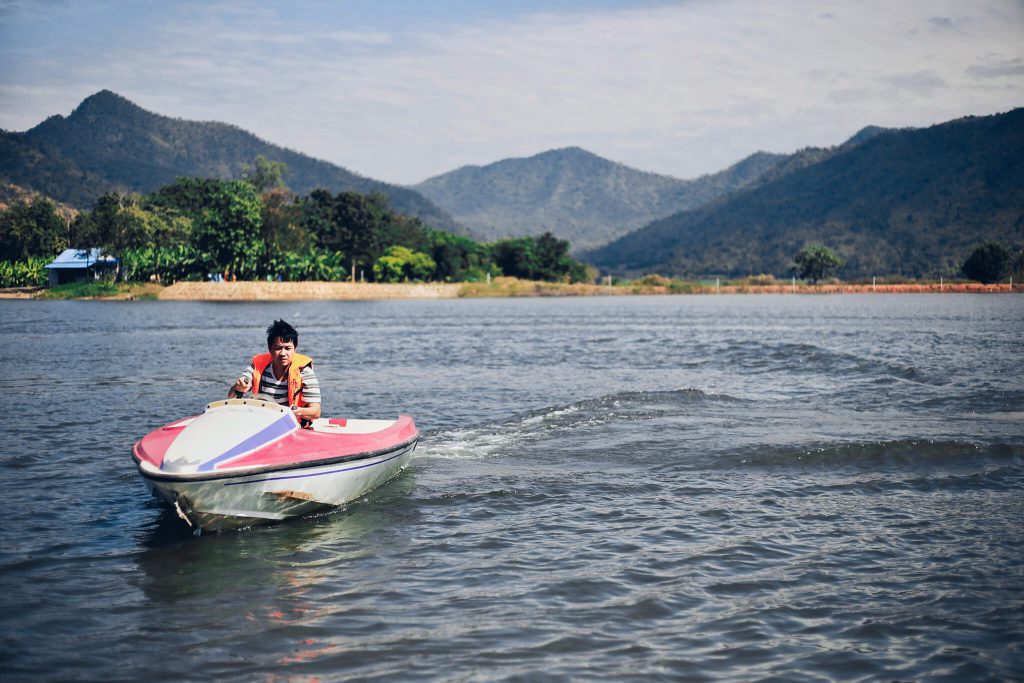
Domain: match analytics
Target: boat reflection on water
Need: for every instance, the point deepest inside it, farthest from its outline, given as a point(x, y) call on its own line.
point(266, 568)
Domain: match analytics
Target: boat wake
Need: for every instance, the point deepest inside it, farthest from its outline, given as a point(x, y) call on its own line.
point(696, 430)
point(499, 439)
point(885, 455)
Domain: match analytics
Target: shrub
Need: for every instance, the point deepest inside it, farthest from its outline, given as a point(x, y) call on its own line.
point(654, 280)
point(988, 263)
point(81, 290)
point(815, 262)
point(403, 264)
point(30, 272)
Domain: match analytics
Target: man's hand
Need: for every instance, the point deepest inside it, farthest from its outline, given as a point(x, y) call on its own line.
point(242, 385)
point(310, 412)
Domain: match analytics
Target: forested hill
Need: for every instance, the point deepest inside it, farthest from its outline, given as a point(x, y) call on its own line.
point(576, 195)
point(110, 143)
point(903, 202)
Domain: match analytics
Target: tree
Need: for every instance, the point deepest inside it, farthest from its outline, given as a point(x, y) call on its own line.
point(265, 175)
point(30, 272)
point(554, 262)
point(358, 225)
point(357, 220)
point(116, 224)
point(1017, 264)
point(988, 263)
point(516, 257)
point(31, 229)
point(815, 262)
point(226, 219)
point(228, 233)
point(457, 257)
point(543, 258)
point(165, 263)
point(282, 222)
point(401, 264)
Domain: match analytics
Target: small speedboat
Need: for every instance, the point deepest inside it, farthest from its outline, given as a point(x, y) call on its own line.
point(248, 461)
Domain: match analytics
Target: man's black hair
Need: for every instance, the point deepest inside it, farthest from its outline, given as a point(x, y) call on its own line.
point(282, 330)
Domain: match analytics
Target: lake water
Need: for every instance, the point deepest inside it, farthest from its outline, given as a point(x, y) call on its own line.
point(666, 488)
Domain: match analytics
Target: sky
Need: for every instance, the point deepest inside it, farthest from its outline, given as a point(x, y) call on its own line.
point(402, 90)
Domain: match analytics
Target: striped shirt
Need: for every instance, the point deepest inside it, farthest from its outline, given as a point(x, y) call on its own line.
point(277, 391)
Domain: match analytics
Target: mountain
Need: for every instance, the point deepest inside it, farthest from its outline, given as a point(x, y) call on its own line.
point(809, 156)
point(109, 143)
point(898, 202)
point(576, 195)
point(47, 172)
point(14, 194)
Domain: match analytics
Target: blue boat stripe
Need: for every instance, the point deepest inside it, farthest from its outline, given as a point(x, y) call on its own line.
point(273, 431)
point(316, 474)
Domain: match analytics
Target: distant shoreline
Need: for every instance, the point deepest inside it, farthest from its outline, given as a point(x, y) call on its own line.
point(499, 288)
point(294, 291)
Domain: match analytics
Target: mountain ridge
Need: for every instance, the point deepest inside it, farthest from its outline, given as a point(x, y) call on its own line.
point(575, 194)
point(890, 201)
point(107, 142)
point(909, 202)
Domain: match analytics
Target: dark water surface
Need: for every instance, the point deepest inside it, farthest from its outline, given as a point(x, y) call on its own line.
point(667, 488)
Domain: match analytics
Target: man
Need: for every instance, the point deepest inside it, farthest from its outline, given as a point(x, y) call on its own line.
point(283, 375)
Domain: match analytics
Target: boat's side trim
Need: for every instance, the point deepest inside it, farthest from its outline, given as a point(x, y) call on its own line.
point(187, 477)
point(247, 514)
point(317, 474)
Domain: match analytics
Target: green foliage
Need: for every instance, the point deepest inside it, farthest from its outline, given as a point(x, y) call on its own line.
point(208, 225)
point(120, 223)
point(347, 222)
point(163, 264)
point(228, 233)
point(516, 257)
point(654, 280)
point(544, 258)
point(401, 264)
point(193, 228)
point(314, 263)
point(30, 272)
point(1017, 264)
point(683, 287)
point(815, 262)
point(988, 263)
point(81, 290)
point(31, 229)
point(187, 196)
point(459, 258)
point(265, 175)
point(282, 222)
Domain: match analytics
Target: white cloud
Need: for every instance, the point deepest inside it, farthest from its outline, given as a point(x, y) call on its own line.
point(921, 81)
point(997, 68)
point(360, 37)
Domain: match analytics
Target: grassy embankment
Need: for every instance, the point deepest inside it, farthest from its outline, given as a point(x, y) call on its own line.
point(99, 290)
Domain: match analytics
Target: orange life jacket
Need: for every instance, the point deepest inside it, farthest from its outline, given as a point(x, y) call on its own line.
point(260, 363)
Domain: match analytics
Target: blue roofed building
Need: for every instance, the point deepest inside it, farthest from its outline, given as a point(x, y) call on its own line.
point(80, 265)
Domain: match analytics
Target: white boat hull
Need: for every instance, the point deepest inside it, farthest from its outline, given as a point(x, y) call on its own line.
point(247, 461)
point(229, 502)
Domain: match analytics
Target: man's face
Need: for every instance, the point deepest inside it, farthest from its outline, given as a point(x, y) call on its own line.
point(282, 351)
